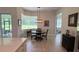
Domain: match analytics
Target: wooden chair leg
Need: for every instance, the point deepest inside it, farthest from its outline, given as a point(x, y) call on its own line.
point(46, 37)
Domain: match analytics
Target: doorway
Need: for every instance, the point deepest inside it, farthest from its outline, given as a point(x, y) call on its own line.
point(58, 29)
point(58, 23)
point(5, 26)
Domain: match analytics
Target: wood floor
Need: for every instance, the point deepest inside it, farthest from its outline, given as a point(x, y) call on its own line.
point(53, 44)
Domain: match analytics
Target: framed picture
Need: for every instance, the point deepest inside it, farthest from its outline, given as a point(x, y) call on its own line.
point(46, 23)
point(72, 20)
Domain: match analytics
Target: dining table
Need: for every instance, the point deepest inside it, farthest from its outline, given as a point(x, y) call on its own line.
point(38, 35)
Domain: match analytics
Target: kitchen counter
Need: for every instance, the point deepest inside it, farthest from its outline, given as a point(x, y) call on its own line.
point(12, 44)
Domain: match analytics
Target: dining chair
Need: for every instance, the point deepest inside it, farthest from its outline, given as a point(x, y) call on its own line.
point(28, 32)
point(39, 34)
point(33, 33)
point(44, 35)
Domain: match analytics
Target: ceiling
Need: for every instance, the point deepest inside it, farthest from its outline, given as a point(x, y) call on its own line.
point(41, 8)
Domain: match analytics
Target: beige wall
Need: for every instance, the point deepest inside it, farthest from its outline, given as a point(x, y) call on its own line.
point(45, 15)
point(67, 11)
point(19, 12)
point(16, 14)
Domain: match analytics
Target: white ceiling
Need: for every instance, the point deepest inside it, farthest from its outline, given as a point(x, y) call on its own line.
point(41, 8)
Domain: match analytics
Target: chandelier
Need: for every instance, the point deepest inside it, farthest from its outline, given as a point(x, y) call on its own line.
point(39, 19)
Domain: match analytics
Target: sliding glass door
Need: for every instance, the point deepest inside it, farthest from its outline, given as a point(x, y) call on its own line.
point(5, 26)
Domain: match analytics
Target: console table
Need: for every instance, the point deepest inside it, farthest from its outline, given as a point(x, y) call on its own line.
point(68, 42)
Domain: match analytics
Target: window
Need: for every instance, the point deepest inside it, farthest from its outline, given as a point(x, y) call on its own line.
point(29, 22)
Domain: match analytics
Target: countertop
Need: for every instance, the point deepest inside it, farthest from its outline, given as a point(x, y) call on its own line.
point(11, 44)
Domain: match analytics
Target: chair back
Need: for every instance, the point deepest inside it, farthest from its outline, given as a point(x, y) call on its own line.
point(33, 32)
point(46, 32)
point(39, 30)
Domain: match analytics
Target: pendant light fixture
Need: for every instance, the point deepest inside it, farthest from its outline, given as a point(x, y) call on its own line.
point(39, 19)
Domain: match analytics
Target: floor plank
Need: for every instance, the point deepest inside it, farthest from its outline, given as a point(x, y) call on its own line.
point(50, 45)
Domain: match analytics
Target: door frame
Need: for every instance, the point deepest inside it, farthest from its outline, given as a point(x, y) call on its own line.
point(56, 22)
point(1, 23)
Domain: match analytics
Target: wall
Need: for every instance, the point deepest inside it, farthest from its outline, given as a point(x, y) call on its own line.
point(73, 30)
point(45, 15)
point(19, 12)
point(67, 11)
point(16, 14)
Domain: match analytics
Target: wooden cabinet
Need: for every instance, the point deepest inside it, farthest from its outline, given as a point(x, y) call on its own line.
point(68, 42)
